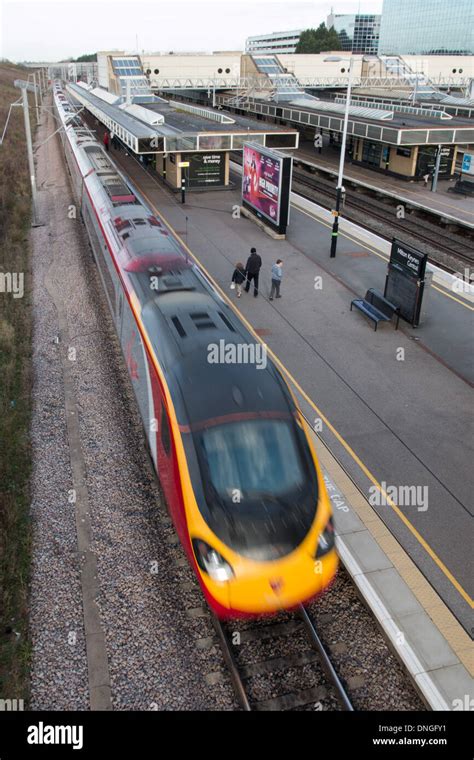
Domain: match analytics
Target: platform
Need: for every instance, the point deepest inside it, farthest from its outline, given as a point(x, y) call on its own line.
point(400, 422)
point(441, 202)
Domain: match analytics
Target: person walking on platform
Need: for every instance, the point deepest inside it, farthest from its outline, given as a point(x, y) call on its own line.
point(237, 278)
point(252, 271)
point(113, 139)
point(277, 274)
point(426, 179)
point(106, 140)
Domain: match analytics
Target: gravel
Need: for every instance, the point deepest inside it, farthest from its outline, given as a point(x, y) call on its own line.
point(151, 640)
point(160, 641)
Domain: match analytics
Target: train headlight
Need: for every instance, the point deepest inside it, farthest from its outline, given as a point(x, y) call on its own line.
point(326, 539)
point(211, 562)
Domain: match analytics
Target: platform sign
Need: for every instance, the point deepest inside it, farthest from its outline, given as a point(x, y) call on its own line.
point(405, 280)
point(266, 185)
point(468, 164)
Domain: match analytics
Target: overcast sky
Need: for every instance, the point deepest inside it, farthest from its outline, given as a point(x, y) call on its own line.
point(49, 31)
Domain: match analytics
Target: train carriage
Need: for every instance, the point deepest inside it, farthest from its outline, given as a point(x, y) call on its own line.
point(229, 444)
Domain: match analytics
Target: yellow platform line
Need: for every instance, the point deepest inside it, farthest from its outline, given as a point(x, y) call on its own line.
point(337, 435)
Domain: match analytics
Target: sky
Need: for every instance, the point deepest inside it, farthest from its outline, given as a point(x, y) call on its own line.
point(49, 31)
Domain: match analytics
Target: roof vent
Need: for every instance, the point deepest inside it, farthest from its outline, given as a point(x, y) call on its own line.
point(179, 327)
point(202, 320)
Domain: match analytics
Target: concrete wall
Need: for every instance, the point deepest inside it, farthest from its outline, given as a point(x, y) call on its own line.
point(104, 66)
point(183, 66)
point(435, 66)
point(173, 172)
point(402, 164)
point(208, 65)
point(315, 65)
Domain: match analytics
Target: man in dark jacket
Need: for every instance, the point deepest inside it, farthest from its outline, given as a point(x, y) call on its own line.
point(252, 270)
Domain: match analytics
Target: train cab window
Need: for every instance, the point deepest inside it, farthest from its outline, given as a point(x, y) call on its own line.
point(257, 457)
point(165, 431)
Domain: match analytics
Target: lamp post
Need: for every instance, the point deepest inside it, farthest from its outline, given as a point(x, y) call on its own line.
point(340, 188)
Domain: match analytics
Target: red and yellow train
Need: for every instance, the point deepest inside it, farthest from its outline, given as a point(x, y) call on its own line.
point(231, 449)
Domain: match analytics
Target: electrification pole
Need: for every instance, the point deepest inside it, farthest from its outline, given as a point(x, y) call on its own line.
point(31, 163)
point(36, 99)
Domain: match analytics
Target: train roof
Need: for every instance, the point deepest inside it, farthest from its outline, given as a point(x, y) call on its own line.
point(201, 343)
point(213, 392)
point(183, 314)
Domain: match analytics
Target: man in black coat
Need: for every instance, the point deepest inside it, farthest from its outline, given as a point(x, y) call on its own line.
point(252, 270)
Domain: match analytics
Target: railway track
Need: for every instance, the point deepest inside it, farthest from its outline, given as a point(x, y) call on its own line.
point(447, 249)
point(257, 674)
point(437, 239)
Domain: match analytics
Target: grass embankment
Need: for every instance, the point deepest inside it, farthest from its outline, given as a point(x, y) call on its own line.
point(15, 387)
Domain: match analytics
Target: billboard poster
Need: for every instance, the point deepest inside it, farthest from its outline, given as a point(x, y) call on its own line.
point(261, 182)
point(205, 169)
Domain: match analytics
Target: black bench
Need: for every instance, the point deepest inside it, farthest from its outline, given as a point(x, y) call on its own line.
point(376, 307)
point(462, 187)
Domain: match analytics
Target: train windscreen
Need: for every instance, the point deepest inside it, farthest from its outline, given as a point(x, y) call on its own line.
point(259, 483)
point(253, 457)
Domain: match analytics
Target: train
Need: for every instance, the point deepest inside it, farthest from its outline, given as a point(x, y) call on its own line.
point(228, 441)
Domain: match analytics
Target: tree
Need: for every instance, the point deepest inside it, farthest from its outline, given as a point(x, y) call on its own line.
point(82, 58)
point(318, 40)
point(86, 58)
point(333, 40)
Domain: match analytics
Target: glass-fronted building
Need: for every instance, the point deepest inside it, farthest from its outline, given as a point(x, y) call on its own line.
point(427, 27)
point(357, 32)
point(276, 42)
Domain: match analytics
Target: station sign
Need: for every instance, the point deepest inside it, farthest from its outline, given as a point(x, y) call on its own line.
point(404, 284)
point(411, 261)
point(266, 185)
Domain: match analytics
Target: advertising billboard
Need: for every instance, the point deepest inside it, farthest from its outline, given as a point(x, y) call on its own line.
point(205, 169)
point(266, 184)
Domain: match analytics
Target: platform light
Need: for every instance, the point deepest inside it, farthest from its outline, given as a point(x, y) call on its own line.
point(340, 189)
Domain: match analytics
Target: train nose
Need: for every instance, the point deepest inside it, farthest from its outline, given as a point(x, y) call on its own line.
point(273, 591)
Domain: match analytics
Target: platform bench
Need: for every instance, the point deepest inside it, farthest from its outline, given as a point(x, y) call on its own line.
point(462, 188)
point(377, 308)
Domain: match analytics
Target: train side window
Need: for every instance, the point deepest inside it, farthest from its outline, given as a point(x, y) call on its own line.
point(165, 431)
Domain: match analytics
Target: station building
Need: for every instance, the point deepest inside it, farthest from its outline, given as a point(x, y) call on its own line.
point(275, 100)
point(178, 139)
point(396, 140)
